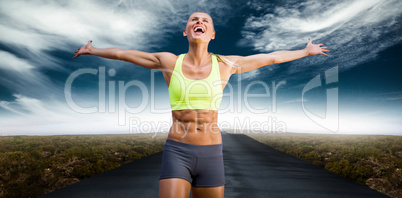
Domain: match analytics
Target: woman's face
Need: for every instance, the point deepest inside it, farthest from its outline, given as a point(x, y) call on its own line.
point(199, 28)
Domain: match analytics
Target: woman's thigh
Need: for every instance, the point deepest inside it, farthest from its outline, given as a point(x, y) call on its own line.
point(174, 188)
point(208, 192)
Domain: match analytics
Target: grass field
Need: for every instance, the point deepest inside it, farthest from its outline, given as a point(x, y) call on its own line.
point(31, 166)
point(371, 160)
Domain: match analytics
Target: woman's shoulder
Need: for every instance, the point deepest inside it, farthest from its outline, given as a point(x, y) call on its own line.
point(166, 55)
point(167, 59)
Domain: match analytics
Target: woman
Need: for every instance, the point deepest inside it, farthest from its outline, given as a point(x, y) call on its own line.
point(192, 157)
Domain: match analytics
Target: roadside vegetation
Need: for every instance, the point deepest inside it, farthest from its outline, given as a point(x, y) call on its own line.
point(371, 160)
point(31, 166)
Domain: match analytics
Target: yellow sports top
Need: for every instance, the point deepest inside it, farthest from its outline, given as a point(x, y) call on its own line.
point(185, 93)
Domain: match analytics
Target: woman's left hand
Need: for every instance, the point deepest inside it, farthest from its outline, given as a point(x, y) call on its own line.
point(314, 49)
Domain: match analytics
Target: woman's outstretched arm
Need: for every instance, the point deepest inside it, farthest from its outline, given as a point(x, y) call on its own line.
point(144, 59)
point(248, 63)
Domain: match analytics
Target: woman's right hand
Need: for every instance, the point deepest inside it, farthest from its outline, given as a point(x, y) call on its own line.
point(83, 50)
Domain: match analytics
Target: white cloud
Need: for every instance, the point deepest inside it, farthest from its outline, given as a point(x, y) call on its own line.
point(22, 76)
point(32, 29)
point(41, 25)
point(354, 31)
point(11, 62)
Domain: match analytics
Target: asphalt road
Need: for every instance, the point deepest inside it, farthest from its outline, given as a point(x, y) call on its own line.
point(252, 169)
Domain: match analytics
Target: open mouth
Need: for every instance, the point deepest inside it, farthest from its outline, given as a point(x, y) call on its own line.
point(199, 29)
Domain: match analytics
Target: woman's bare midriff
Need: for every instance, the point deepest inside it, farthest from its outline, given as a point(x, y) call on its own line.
point(195, 127)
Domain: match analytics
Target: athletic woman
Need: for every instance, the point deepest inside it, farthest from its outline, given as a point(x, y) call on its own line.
point(192, 157)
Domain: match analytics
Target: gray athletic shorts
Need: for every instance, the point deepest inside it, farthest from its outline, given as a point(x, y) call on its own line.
point(201, 165)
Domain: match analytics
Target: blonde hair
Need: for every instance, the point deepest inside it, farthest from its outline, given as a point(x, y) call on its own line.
point(225, 60)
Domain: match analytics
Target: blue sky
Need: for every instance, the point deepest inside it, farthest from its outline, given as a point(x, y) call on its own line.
point(358, 89)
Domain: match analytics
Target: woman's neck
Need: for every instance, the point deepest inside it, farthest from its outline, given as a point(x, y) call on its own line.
point(198, 53)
